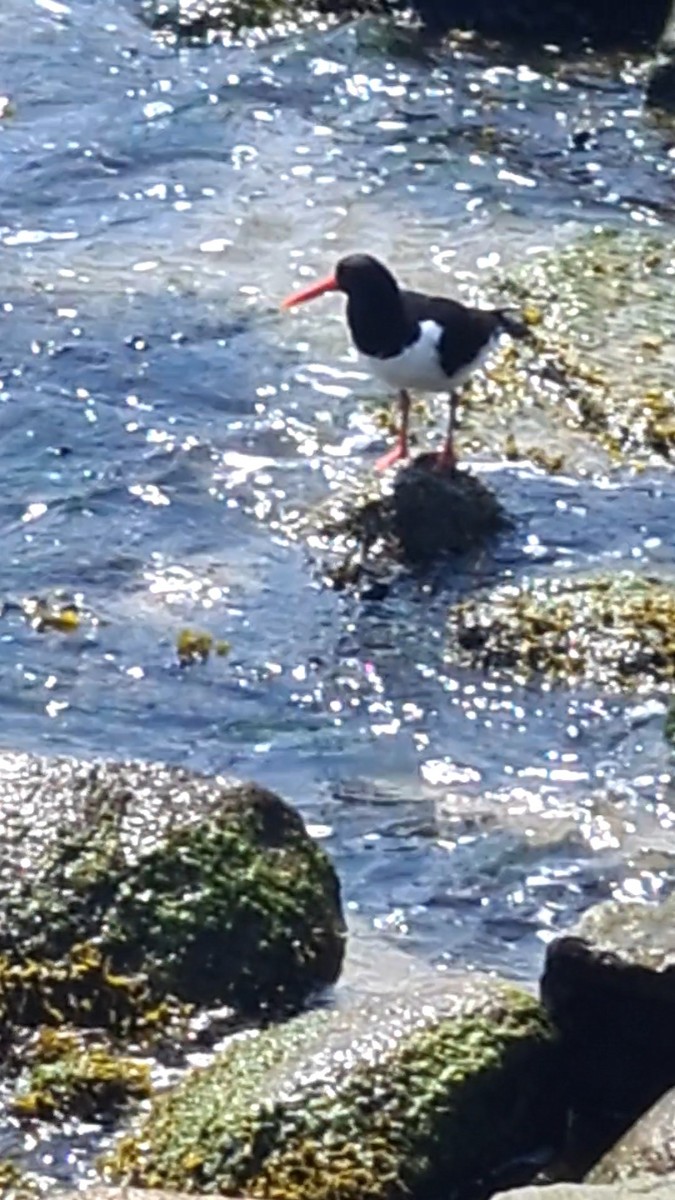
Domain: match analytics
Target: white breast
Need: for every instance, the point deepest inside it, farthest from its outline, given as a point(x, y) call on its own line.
point(418, 367)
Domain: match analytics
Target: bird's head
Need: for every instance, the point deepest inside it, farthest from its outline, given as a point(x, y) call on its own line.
point(354, 274)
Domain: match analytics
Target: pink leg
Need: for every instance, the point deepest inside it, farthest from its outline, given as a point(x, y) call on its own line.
point(400, 450)
point(447, 459)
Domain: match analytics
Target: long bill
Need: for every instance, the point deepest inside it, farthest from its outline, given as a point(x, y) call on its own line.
point(329, 284)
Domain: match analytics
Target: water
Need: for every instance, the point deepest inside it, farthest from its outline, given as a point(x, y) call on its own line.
point(159, 417)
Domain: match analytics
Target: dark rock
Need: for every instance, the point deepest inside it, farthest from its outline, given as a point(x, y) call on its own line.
point(566, 22)
point(434, 512)
point(563, 21)
point(609, 987)
point(661, 80)
point(396, 1097)
point(177, 883)
point(369, 531)
point(647, 1149)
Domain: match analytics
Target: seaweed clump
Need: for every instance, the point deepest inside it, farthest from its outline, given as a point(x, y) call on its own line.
point(615, 631)
point(407, 1097)
point(69, 1078)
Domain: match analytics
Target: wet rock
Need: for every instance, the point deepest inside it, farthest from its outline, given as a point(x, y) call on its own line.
point(647, 1149)
point(126, 883)
point(563, 21)
point(593, 385)
point(660, 90)
point(200, 18)
point(609, 987)
point(661, 80)
point(643, 1189)
point(617, 631)
point(396, 1097)
point(368, 530)
point(567, 22)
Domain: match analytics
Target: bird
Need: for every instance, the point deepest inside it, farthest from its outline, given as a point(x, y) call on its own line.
point(411, 341)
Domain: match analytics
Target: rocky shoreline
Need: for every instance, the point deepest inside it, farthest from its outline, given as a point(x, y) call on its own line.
point(450, 1084)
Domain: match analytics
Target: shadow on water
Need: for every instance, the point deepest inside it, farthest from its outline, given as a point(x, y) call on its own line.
point(157, 415)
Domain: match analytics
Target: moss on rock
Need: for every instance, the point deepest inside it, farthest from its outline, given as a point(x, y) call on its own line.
point(222, 898)
point(393, 1099)
point(616, 631)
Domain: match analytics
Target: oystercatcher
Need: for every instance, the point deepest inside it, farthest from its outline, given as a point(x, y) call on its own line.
point(411, 340)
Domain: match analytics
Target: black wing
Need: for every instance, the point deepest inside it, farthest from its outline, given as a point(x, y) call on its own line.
point(466, 331)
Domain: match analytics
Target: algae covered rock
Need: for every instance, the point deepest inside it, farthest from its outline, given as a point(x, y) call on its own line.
point(609, 987)
point(367, 530)
point(647, 1149)
point(615, 631)
point(594, 383)
point(176, 883)
point(397, 1097)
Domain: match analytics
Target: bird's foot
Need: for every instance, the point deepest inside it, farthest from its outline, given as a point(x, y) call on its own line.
point(399, 452)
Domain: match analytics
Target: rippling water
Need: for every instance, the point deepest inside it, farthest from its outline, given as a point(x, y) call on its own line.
point(159, 417)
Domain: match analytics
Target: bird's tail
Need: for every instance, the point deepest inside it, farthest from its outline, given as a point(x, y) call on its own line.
point(512, 325)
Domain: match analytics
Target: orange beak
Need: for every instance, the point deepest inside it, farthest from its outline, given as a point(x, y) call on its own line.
point(329, 284)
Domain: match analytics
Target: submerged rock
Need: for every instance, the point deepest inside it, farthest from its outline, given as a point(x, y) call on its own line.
point(616, 631)
point(136, 882)
point(647, 1149)
point(609, 987)
point(396, 1098)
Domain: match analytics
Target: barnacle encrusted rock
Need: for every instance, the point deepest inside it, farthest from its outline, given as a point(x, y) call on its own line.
point(394, 1098)
point(135, 882)
point(617, 631)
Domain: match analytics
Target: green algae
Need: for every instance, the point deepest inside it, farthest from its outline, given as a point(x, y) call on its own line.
point(70, 1078)
point(396, 1099)
point(239, 906)
point(615, 631)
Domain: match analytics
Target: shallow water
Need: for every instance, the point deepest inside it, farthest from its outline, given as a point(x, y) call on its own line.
point(160, 418)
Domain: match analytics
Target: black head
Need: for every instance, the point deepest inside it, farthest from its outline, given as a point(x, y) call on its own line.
point(366, 275)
